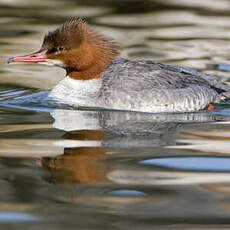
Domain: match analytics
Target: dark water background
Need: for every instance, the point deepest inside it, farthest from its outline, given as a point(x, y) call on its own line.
point(62, 168)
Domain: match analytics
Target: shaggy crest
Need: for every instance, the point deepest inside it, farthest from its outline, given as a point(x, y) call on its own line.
point(73, 32)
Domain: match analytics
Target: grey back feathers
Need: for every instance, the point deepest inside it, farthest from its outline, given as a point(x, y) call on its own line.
point(153, 87)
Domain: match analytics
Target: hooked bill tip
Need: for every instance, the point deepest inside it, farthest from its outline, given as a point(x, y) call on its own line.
point(10, 60)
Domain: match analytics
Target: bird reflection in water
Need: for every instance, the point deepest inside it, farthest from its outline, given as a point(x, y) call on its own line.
point(92, 135)
point(79, 165)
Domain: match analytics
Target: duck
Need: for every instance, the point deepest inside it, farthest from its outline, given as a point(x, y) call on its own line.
point(96, 75)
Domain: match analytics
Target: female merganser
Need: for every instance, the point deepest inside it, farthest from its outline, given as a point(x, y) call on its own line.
point(97, 78)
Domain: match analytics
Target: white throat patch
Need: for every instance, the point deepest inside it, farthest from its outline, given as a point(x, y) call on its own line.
point(51, 62)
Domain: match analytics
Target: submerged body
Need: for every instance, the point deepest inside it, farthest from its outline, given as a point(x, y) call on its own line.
point(145, 86)
point(97, 78)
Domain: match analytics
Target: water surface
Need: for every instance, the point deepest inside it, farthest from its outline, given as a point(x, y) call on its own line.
point(68, 168)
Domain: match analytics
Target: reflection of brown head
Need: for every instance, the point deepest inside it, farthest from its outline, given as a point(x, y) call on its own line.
point(90, 135)
point(79, 165)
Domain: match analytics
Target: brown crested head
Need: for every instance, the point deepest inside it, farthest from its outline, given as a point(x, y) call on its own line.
point(75, 46)
point(83, 52)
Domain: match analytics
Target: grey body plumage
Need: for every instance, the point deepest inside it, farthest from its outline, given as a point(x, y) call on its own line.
point(154, 87)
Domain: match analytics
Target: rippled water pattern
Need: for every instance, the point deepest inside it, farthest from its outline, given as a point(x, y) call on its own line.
point(63, 168)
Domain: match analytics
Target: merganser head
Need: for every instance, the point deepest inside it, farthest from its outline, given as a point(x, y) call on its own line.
point(76, 47)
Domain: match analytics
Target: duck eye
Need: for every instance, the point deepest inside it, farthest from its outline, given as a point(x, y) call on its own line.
point(61, 48)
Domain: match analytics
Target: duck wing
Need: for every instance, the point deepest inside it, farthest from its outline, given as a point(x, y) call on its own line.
point(155, 87)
